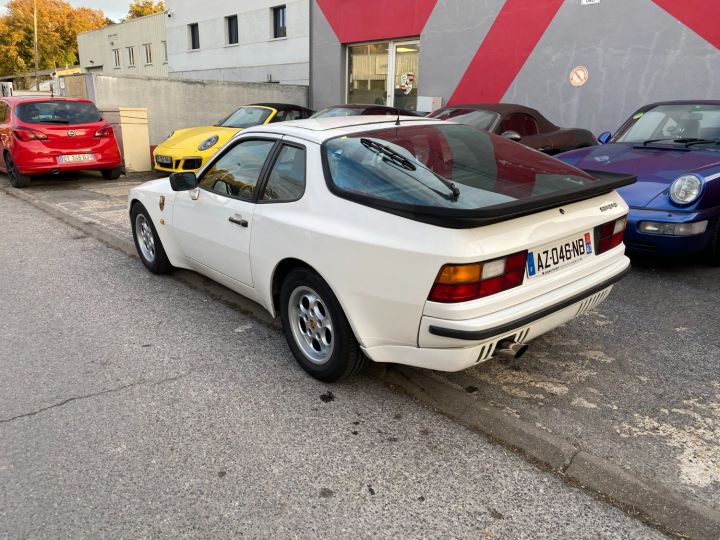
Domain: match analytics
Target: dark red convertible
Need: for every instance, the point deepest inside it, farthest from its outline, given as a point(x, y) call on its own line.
point(518, 123)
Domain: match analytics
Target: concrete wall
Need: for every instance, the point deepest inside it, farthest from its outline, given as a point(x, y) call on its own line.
point(174, 104)
point(96, 47)
point(636, 52)
point(257, 57)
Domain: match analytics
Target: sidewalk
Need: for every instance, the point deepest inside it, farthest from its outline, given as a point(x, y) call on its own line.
point(625, 400)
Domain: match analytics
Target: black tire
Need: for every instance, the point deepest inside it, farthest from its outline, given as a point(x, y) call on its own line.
point(330, 364)
point(111, 174)
point(17, 180)
point(147, 242)
point(713, 250)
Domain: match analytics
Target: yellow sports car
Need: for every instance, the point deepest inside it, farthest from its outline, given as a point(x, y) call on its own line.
point(189, 149)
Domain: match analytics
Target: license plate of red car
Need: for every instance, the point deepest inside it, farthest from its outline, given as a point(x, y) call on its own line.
point(74, 158)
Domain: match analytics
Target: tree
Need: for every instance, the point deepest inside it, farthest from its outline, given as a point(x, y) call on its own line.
point(140, 8)
point(58, 24)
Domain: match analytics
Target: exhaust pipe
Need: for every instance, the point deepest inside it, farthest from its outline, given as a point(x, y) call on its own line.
point(55, 171)
point(511, 348)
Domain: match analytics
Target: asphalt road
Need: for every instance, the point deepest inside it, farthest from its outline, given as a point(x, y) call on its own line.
point(133, 406)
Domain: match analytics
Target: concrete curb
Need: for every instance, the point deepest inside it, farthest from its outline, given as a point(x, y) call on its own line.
point(656, 503)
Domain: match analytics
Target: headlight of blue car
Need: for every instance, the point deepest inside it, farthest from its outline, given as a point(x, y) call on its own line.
point(686, 189)
point(208, 143)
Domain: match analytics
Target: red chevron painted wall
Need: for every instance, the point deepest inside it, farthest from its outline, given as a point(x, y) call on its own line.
point(523, 51)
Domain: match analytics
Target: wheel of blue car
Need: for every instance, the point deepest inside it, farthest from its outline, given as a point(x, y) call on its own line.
point(147, 241)
point(317, 329)
point(713, 250)
point(16, 179)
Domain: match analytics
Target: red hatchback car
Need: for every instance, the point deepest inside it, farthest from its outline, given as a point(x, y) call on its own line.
point(40, 135)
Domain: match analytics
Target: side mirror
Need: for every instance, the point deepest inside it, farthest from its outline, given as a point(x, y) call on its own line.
point(512, 135)
point(604, 137)
point(183, 181)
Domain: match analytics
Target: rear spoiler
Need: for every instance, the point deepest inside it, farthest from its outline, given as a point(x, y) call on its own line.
point(468, 219)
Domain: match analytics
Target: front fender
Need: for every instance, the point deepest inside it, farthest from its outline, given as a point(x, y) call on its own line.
point(149, 195)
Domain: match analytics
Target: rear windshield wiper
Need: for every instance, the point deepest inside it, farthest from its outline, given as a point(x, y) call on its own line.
point(54, 121)
point(396, 157)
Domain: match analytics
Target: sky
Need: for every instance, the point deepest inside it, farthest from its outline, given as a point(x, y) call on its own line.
point(115, 9)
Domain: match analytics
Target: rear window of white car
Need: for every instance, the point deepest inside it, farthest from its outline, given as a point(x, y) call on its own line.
point(58, 112)
point(452, 171)
point(415, 165)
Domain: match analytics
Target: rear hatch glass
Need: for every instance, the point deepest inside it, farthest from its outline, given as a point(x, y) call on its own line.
point(58, 112)
point(453, 175)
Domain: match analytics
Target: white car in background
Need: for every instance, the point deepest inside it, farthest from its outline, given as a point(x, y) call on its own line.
point(408, 240)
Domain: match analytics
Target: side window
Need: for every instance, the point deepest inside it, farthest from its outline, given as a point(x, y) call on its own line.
point(3, 112)
point(237, 172)
point(287, 178)
point(279, 117)
point(286, 115)
point(524, 124)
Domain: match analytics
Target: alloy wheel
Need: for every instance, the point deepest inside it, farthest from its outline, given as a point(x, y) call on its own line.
point(145, 238)
point(311, 325)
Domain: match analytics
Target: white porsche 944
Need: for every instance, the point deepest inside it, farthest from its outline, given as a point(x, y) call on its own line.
point(408, 240)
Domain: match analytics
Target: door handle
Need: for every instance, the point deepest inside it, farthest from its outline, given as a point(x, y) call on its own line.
point(240, 222)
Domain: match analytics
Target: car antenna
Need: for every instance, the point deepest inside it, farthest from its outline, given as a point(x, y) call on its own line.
point(397, 120)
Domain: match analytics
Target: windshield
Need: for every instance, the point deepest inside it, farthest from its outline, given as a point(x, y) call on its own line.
point(58, 112)
point(246, 117)
point(674, 121)
point(472, 117)
point(444, 166)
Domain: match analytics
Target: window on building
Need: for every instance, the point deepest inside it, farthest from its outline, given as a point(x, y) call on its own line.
point(131, 56)
point(164, 46)
point(148, 53)
point(279, 22)
point(194, 32)
point(231, 24)
point(116, 57)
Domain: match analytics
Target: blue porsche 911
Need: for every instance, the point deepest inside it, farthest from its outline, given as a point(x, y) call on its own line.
point(674, 150)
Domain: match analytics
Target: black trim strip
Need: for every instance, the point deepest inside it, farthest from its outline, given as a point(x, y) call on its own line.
point(478, 335)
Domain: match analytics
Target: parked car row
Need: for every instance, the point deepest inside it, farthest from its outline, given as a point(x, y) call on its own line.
point(382, 235)
point(675, 206)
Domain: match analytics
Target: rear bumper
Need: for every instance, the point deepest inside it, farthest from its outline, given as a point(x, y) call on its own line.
point(453, 345)
point(656, 244)
point(32, 163)
point(479, 335)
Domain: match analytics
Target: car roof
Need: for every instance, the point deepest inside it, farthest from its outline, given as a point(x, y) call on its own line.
point(370, 106)
point(686, 102)
point(278, 106)
point(502, 108)
point(321, 129)
point(509, 108)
